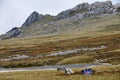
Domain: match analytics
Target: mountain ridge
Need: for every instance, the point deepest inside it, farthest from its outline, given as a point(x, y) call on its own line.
point(35, 16)
point(38, 24)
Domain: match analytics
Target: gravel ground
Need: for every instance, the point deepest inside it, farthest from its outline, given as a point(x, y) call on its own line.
point(50, 67)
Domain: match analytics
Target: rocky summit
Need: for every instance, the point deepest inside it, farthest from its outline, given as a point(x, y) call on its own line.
point(95, 8)
point(14, 32)
point(35, 16)
point(66, 21)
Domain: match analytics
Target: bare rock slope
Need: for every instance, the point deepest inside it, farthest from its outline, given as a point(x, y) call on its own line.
point(66, 21)
point(35, 16)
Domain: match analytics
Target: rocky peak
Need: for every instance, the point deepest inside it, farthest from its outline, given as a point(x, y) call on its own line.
point(79, 12)
point(14, 32)
point(85, 8)
point(101, 7)
point(117, 7)
point(102, 4)
point(64, 14)
point(80, 8)
point(35, 16)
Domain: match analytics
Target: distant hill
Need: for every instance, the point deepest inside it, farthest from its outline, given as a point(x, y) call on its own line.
point(97, 16)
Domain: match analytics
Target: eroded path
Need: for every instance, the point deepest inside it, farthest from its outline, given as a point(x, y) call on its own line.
point(49, 67)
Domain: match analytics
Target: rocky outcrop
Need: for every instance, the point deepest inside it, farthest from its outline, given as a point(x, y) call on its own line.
point(101, 7)
point(64, 14)
point(65, 20)
point(71, 12)
point(85, 8)
point(117, 8)
point(14, 32)
point(82, 7)
point(35, 16)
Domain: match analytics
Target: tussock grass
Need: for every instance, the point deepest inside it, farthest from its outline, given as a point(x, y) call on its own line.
point(93, 33)
point(111, 53)
point(77, 59)
point(29, 63)
point(103, 73)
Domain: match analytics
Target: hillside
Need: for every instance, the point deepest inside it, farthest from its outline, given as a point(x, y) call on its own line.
point(83, 17)
point(73, 37)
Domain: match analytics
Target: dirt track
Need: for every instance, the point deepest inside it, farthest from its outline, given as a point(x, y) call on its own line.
point(49, 67)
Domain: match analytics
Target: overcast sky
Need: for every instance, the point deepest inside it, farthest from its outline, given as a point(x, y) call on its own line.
point(14, 12)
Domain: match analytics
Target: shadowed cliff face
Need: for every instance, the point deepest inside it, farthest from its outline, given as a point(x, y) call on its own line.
point(14, 32)
point(35, 16)
point(38, 24)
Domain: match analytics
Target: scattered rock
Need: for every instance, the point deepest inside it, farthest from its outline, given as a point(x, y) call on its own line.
point(19, 57)
point(16, 57)
point(76, 51)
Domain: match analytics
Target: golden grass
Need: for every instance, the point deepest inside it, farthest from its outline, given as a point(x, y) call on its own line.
point(30, 62)
point(111, 53)
point(103, 73)
point(94, 35)
point(93, 28)
point(77, 59)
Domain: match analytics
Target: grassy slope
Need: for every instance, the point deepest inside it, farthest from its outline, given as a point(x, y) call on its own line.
point(77, 59)
point(68, 25)
point(92, 27)
point(111, 53)
point(105, 31)
point(102, 73)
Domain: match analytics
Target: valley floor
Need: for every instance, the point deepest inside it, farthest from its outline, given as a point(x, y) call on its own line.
point(102, 73)
point(54, 67)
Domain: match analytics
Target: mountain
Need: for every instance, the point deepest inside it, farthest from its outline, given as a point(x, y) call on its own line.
point(95, 8)
point(80, 18)
point(35, 16)
point(14, 32)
